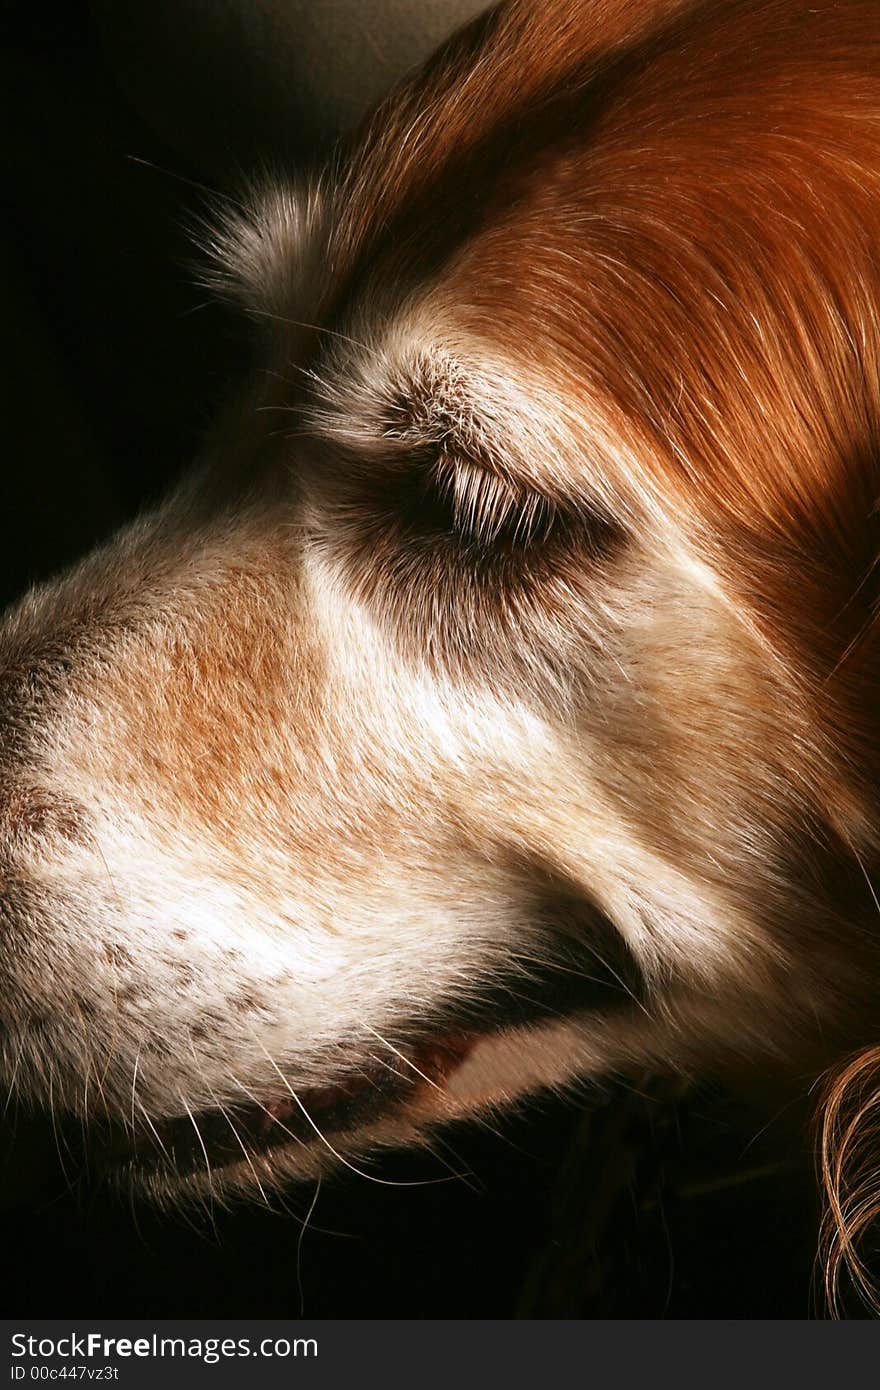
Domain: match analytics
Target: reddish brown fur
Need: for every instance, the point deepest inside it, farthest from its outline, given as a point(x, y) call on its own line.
point(725, 312)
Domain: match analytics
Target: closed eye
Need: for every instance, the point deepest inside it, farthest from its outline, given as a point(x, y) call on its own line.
point(485, 507)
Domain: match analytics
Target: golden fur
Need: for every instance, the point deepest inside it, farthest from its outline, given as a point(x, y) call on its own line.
point(523, 604)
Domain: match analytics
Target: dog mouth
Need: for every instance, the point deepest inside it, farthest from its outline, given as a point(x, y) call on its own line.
point(591, 972)
point(214, 1138)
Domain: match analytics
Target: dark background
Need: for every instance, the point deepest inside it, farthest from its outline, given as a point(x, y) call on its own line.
point(629, 1202)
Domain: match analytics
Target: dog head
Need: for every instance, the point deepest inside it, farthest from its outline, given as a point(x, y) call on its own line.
point(493, 705)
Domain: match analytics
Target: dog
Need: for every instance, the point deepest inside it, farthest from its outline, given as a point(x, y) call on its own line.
point(494, 704)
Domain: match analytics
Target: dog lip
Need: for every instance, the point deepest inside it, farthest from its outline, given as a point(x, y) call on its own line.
point(214, 1138)
point(211, 1139)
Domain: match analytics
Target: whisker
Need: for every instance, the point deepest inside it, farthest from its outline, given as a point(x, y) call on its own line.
point(156, 1135)
point(215, 194)
point(11, 1088)
point(318, 328)
point(266, 1111)
point(299, 1247)
point(203, 1148)
point(241, 1144)
point(134, 1087)
point(370, 1177)
point(70, 1185)
point(397, 1052)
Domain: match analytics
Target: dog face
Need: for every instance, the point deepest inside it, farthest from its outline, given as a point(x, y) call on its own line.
point(491, 707)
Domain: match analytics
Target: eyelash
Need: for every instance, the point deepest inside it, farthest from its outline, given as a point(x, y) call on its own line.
point(488, 508)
